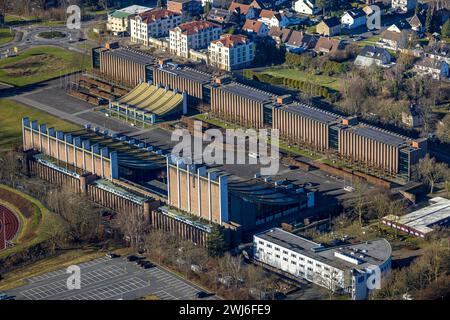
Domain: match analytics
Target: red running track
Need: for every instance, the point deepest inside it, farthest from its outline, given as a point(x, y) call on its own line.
point(8, 227)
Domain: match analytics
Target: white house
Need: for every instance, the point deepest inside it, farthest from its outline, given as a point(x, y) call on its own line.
point(353, 19)
point(231, 51)
point(437, 69)
point(404, 5)
point(273, 19)
point(255, 27)
point(306, 7)
point(371, 55)
point(350, 268)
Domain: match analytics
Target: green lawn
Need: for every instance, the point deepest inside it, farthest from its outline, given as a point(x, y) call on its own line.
point(40, 64)
point(6, 35)
point(13, 20)
point(11, 114)
point(326, 81)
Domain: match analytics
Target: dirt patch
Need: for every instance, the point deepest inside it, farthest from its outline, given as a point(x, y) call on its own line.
point(39, 63)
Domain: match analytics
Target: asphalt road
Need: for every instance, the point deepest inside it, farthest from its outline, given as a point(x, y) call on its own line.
point(109, 279)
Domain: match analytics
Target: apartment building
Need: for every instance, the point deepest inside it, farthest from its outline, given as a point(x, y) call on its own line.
point(193, 35)
point(153, 24)
point(119, 20)
point(353, 269)
point(231, 52)
point(187, 8)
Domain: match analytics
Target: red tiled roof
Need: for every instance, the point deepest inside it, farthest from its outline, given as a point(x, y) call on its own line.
point(253, 25)
point(230, 40)
point(189, 28)
point(242, 7)
point(155, 14)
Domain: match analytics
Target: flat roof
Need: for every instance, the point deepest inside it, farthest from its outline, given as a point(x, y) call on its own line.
point(369, 253)
point(378, 135)
point(248, 92)
point(133, 9)
point(188, 73)
point(311, 112)
point(135, 56)
point(128, 155)
point(422, 219)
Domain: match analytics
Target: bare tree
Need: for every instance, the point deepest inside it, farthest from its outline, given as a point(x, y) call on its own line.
point(134, 226)
point(430, 171)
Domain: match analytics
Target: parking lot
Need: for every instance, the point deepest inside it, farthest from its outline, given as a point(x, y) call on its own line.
point(108, 279)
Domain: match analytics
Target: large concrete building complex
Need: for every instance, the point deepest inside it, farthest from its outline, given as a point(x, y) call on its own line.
point(184, 79)
point(192, 36)
point(354, 269)
point(123, 65)
point(153, 24)
point(119, 20)
point(129, 175)
point(299, 124)
point(231, 52)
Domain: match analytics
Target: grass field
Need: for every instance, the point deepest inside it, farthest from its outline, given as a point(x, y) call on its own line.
point(6, 35)
point(13, 20)
point(11, 114)
point(326, 81)
point(39, 64)
point(32, 215)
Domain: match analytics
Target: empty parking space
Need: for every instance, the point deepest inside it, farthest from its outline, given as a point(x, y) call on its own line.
point(116, 290)
point(59, 287)
point(107, 279)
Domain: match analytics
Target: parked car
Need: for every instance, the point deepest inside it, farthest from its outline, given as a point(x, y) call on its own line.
point(147, 265)
point(201, 294)
point(133, 257)
point(4, 296)
point(112, 255)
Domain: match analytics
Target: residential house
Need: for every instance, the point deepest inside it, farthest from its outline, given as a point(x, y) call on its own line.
point(353, 19)
point(295, 41)
point(280, 35)
point(221, 16)
point(256, 28)
point(187, 8)
point(399, 26)
point(417, 23)
point(437, 69)
point(193, 35)
point(404, 5)
point(329, 27)
point(308, 7)
point(245, 10)
point(231, 52)
point(412, 118)
point(438, 51)
point(329, 45)
point(300, 41)
point(155, 23)
point(395, 40)
point(371, 55)
point(273, 18)
point(119, 20)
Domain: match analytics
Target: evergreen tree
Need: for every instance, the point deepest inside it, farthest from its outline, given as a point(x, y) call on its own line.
point(215, 244)
point(445, 32)
point(429, 24)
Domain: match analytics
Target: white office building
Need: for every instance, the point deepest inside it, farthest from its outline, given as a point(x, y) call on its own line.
point(351, 268)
